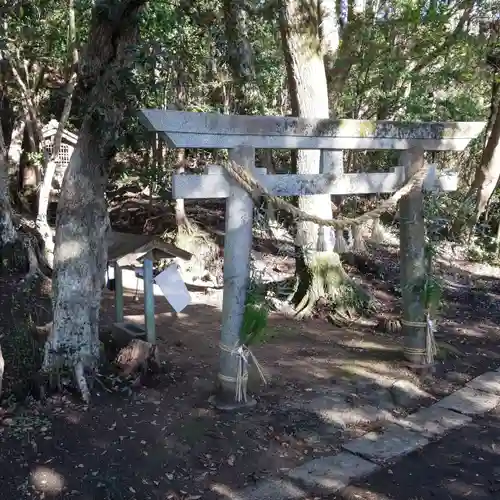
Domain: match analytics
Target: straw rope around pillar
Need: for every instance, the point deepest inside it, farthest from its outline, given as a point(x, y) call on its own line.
point(245, 358)
point(430, 350)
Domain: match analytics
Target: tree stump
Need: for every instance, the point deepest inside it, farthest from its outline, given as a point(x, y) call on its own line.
point(137, 356)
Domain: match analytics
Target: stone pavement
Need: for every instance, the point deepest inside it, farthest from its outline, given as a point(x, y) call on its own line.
point(464, 465)
point(373, 455)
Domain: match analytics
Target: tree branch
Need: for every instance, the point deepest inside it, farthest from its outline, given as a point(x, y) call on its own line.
point(71, 82)
point(30, 107)
point(450, 40)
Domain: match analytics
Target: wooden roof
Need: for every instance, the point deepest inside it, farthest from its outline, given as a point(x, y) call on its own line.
point(130, 249)
point(50, 131)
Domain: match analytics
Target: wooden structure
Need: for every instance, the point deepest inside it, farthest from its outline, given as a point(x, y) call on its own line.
point(29, 174)
point(68, 143)
point(242, 134)
point(132, 251)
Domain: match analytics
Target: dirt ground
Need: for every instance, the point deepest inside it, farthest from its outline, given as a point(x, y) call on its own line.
point(163, 440)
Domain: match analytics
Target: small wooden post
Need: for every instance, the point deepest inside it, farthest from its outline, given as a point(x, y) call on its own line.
point(412, 259)
point(118, 292)
point(149, 299)
point(237, 247)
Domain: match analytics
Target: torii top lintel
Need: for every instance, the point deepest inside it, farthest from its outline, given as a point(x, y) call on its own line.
point(182, 129)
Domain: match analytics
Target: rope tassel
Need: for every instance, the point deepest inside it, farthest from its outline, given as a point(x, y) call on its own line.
point(430, 350)
point(245, 358)
point(430, 341)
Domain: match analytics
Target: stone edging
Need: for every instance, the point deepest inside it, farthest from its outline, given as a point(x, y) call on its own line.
point(366, 454)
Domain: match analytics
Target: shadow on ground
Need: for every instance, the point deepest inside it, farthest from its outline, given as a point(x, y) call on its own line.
point(164, 440)
point(465, 465)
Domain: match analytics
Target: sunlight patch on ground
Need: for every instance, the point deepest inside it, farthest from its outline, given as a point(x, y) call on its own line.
point(368, 345)
point(47, 481)
point(468, 332)
point(326, 367)
point(377, 372)
point(309, 367)
point(225, 492)
point(460, 489)
point(357, 493)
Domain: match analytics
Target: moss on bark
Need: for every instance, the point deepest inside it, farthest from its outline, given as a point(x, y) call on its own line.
point(323, 278)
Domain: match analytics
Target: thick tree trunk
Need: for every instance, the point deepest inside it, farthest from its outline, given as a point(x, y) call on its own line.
point(82, 218)
point(319, 270)
point(80, 259)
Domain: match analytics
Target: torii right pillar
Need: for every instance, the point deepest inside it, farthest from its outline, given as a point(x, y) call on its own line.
point(412, 262)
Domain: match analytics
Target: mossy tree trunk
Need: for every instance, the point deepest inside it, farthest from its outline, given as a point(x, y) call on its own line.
point(82, 216)
point(318, 268)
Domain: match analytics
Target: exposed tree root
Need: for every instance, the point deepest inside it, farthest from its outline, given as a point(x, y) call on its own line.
point(205, 261)
point(81, 382)
point(327, 281)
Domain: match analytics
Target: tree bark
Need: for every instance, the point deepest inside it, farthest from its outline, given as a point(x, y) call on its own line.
point(49, 169)
point(241, 56)
point(487, 172)
point(8, 232)
point(181, 218)
point(318, 268)
point(82, 217)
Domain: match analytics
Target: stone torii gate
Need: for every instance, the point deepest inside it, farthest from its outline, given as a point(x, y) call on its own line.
point(242, 134)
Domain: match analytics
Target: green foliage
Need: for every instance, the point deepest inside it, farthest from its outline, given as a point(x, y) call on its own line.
point(431, 294)
point(403, 61)
point(255, 317)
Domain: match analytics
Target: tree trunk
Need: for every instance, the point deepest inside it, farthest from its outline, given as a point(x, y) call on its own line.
point(487, 172)
point(42, 222)
point(241, 56)
point(8, 232)
point(7, 229)
point(82, 218)
point(16, 146)
point(80, 260)
point(318, 268)
point(490, 170)
point(181, 218)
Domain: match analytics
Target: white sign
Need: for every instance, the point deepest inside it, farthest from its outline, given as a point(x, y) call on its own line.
point(173, 287)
